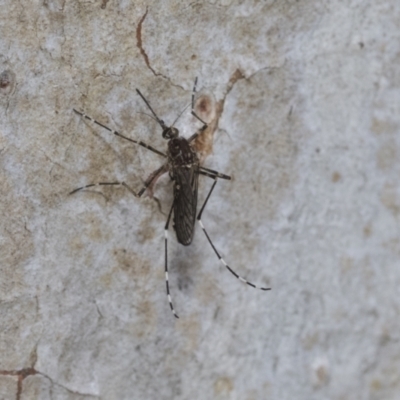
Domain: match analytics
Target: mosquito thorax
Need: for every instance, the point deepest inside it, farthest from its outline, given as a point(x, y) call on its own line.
point(170, 133)
point(180, 152)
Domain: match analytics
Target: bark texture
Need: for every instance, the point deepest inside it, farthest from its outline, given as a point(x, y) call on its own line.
point(303, 100)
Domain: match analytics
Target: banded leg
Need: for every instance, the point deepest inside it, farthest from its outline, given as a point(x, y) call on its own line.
point(138, 142)
point(209, 175)
point(149, 182)
point(105, 184)
point(166, 263)
point(216, 251)
point(213, 174)
point(204, 127)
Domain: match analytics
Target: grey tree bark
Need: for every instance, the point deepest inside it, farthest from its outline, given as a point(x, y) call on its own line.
point(303, 100)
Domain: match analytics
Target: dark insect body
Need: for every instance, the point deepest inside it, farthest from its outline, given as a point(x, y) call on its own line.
point(184, 171)
point(184, 168)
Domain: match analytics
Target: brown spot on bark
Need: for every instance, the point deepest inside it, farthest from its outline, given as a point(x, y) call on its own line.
point(204, 105)
point(390, 199)
point(336, 177)
point(381, 127)
point(367, 230)
point(7, 82)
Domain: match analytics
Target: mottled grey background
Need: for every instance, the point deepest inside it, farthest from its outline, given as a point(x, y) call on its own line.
point(304, 103)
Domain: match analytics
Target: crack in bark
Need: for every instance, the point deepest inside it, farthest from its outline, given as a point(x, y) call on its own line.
point(21, 374)
point(143, 51)
point(65, 388)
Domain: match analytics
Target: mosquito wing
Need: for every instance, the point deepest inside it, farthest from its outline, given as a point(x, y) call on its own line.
point(185, 203)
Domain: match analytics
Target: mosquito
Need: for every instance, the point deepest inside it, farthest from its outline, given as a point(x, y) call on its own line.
point(183, 166)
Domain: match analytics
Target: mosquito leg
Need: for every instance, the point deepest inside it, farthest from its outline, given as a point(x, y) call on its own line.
point(166, 263)
point(216, 251)
point(151, 180)
point(138, 142)
point(213, 174)
point(209, 175)
point(204, 127)
point(106, 184)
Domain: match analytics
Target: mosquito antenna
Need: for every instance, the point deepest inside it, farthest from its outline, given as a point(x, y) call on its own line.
point(180, 114)
point(149, 115)
point(160, 121)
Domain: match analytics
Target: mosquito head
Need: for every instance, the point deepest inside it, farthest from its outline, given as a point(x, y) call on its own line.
point(170, 133)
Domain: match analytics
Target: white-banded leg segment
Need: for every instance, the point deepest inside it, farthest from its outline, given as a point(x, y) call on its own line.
point(166, 263)
point(216, 251)
point(138, 142)
point(105, 184)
